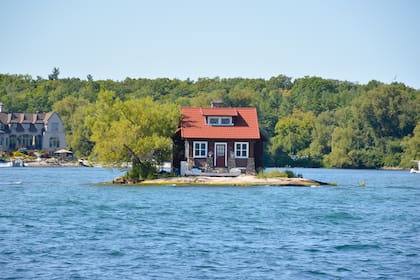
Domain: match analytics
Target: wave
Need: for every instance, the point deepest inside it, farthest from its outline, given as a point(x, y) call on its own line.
point(11, 183)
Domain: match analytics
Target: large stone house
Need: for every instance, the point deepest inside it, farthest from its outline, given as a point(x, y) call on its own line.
point(31, 131)
point(218, 139)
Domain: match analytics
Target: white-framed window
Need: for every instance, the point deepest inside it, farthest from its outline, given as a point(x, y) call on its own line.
point(200, 149)
point(226, 121)
point(241, 149)
point(219, 121)
point(213, 121)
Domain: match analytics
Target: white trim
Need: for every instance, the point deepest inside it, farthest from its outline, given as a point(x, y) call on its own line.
point(219, 121)
point(187, 149)
point(241, 150)
point(215, 151)
point(200, 149)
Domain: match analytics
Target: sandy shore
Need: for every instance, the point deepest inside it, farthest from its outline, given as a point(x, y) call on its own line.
point(242, 180)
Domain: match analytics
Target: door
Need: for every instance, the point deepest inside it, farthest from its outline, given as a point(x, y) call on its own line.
point(220, 154)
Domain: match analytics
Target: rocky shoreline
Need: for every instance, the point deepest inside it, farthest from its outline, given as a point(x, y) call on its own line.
point(242, 180)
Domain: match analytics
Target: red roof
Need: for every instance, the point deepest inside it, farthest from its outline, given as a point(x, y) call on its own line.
point(222, 112)
point(245, 123)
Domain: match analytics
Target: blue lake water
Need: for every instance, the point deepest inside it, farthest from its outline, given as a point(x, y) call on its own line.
point(56, 223)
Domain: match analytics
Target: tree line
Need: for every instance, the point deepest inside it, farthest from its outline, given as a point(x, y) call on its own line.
point(309, 121)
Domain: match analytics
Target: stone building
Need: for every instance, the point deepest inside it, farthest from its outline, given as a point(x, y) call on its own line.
point(31, 131)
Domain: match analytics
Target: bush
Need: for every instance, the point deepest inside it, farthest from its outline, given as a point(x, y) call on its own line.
point(18, 154)
point(277, 174)
point(142, 171)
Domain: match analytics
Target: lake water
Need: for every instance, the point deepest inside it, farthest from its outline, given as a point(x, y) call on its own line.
point(56, 223)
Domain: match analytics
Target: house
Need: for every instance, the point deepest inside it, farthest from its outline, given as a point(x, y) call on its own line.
point(32, 131)
point(218, 139)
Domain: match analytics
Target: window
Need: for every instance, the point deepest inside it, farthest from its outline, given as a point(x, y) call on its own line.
point(54, 142)
point(200, 149)
point(226, 121)
point(213, 121)
point(26, 141)
point(219, 121)
point(12, 142)
point(241, 149)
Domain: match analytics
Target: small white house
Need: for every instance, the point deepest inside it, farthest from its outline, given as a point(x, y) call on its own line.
point(32, 131)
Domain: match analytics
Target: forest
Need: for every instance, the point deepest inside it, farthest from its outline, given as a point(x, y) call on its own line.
point(309, 121)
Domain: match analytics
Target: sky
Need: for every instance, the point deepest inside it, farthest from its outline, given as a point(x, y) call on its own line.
point(353, 40)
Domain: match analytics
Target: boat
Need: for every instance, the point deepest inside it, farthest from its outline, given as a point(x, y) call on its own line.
point(412, 170)
point(4, 163)
point(12, 163)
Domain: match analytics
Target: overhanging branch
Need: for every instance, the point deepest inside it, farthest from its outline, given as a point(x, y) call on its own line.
point(133, 154)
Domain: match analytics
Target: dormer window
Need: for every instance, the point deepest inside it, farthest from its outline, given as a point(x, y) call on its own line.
point(223, 121)
point(213, 121)
point(226, 121)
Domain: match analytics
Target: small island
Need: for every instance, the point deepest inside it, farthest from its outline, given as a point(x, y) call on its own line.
point(242, 180)
point(274, 178)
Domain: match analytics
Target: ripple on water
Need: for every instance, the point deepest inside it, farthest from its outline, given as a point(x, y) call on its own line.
point(356, 247)
point(73, 229)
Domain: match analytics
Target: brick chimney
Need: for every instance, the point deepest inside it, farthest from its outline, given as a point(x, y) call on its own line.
point(1, 108)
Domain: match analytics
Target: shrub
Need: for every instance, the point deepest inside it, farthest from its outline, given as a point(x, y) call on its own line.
point(18, 154)
point(277, 174)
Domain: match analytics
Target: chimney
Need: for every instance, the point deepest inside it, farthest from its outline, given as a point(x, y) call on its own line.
point(217, 104)
point(1, 108)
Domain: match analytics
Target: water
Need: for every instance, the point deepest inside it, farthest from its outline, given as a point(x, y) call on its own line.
point(56, 223)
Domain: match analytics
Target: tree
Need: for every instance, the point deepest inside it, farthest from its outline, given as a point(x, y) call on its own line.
point(293, 133)
point(73, 112)
point(342, 153)
point(54, 75)
point(137, 131)
point(411, 148)
point(390, 110)
point(377, 117)
point(322, 134)
point(314, 94)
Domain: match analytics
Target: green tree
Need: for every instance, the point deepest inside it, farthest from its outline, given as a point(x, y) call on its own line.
point(137, 131)
point(293, 133)
point(411, 148)
point(322, 134)
point(390, 110)
point(54, 74)
point(343, 141)
point(73, 112)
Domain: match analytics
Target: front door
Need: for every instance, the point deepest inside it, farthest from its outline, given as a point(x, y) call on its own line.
point(220, 154)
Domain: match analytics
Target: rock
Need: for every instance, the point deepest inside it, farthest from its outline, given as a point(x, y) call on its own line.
point(119, 180)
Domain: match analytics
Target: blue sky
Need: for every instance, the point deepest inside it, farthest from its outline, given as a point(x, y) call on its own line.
point(357, 40)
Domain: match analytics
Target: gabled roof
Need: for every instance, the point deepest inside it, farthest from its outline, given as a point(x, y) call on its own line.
point(193, 123)
point(19, 118)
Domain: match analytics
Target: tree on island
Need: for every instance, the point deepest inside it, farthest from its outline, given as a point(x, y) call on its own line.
point(137, 131)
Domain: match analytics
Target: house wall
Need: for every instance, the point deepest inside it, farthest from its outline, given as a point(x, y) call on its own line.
point(54, 130)
point(35, 136)
point(22, 135)
point(232, 161)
